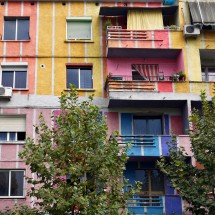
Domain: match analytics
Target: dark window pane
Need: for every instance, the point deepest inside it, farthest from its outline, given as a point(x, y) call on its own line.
point(23, 29)
point(3, 136)
point(211, 74)
point(17, 178)
point(9, 29)
point(20, 79)
point(4, 183)
point(157, 181)
point(7, 78)
point(203, 75)
point(12, 136)
point(72, 77)
point(142, 176)
point(86, 78)
point(20, 136)
point(147, 125)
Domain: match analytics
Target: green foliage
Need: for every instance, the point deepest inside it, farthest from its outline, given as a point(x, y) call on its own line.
point(77, 147)
point(20, 210)
point(195, 185)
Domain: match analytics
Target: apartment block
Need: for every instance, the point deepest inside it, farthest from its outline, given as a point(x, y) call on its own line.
point(145, 61)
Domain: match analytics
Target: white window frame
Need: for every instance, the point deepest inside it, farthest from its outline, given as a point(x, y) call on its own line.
point(16, 67)
point(80, 18)
point(79, 76)
point(13, 170)
point(16, 28)
point(205, 68)
point(12, 141)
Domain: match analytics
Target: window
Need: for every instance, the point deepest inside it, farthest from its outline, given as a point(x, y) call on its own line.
point(152, 181)
point(151, 125)
point(12, 129)
point(81, 77)
point(79, 28)
point(14, 76)
point(208, 73)
point(16, 28)
point(11, 183)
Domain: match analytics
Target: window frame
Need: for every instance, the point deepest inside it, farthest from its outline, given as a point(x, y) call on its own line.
point(16, 18)
point(148, 117)
point(79, 67)
point(206, 72)
point(79, 18)
point(16, 137)
point(9, 183)
point(149, 175)
point(15, 68)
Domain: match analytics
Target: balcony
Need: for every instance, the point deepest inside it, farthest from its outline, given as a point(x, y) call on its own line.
point(140, 203)
point(139, 43)
point(152, 145)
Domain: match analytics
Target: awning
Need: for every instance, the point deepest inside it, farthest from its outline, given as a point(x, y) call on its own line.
point(202, 12)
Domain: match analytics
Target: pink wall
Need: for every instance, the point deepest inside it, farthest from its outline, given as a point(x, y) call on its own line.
point(180, 62)
point(122, 66)
point(9, 152)
point(112, 121)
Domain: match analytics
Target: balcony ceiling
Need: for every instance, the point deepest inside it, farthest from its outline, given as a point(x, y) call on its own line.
point(142, 53)
point(122, 11)
point(146, 103)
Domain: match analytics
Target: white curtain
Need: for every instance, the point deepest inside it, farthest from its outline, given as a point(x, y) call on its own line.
point(145, 19)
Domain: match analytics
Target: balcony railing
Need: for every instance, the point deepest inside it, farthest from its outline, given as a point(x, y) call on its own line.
point(137, 204)
point(137, 140)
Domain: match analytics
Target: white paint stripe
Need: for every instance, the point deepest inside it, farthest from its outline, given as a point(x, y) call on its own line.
point(53, 44)
point(164, 208)
point(142, 150)
point(85, 44)
point(101, 59)
point(37, 41)
point(17, 156)
point(188, 60)
point(21, 43)
point(203, 40)
point(69, 44)
point(153, 39)
point(170, 40)
point(5, 44)
point(160, 145)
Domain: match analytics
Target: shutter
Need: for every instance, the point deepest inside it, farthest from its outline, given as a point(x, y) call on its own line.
point(79, 29)
point(10, 123)
point(166, 124)
point(126, 123)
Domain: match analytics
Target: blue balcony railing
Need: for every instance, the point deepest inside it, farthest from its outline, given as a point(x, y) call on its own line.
point(137, 140)
point(141, 204)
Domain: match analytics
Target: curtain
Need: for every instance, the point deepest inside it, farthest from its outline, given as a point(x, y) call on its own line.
point(145, 19)
point(147, 71)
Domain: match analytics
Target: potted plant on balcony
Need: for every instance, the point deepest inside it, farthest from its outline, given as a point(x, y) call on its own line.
point(174, 77)
point(182, 76)
point(107, 23)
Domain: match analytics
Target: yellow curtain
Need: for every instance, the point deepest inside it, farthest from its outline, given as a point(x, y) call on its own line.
point(144, 19)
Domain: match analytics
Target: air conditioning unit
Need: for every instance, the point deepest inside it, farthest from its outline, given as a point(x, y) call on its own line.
point(5, 92)
point(191, 31)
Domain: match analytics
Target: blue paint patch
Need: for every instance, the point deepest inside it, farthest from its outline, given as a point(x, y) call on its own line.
point(173, 205)
point(164, 146)
point(166, 124)
point(152, 150)
point(169, 190)
point(126, 123)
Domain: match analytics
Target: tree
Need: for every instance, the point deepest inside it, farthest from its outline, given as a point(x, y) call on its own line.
point(195, 185)
point(78, 169)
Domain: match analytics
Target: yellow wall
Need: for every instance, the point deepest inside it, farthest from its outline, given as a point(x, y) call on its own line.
point(54, 51)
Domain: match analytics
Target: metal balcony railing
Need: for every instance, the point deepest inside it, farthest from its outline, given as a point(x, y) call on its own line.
point(139, 200)
point(137, 140)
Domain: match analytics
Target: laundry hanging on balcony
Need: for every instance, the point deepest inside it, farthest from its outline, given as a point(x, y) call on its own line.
point(145, 19)
point(149, 72)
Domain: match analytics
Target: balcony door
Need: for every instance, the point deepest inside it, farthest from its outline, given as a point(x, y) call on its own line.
point(143, 125)
point(152, 181)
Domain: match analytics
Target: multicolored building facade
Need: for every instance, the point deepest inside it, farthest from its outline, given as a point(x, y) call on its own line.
point(146, 71)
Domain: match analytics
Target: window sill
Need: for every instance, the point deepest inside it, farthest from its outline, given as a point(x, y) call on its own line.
point(78, 41)
point(20, 89)
point(82, 90)
point(12, 142)
point(12, 197)
point(15, 41)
